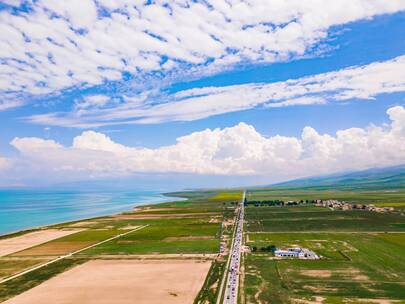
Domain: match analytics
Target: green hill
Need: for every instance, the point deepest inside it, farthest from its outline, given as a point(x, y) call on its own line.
point(378, 178)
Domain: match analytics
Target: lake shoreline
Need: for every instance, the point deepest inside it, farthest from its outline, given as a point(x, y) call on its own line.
point(49, 226)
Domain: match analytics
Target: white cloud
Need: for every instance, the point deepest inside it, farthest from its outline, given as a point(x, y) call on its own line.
point(301, 101)
point(63, 44)
point(9, 104)
point(12, 2)
point(238, 150)
point(362, 82)
point(90, 103)
point(4, 163)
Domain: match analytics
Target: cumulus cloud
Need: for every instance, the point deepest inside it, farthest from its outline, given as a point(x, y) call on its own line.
point(4, 163)
point(361, 82)
point(55, 45)
point(237, 150)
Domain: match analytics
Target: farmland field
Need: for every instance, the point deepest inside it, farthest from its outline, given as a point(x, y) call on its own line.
point(362, 258)
point(9, 266)
point(188, 231)
point(264, 219)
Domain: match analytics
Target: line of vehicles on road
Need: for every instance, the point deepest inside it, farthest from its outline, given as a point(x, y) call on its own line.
point(231, 293)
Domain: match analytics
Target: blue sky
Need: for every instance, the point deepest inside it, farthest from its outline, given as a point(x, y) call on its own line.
point(109, 93)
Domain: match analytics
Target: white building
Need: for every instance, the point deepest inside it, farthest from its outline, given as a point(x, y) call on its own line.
point(300, 253)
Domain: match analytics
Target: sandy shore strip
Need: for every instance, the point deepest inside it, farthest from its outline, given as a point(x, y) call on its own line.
point(18, 243)
point(121, 282)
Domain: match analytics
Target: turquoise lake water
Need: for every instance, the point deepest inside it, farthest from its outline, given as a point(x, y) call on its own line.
point(22, 209)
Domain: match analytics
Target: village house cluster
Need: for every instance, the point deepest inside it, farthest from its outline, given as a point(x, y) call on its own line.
point(341, 205)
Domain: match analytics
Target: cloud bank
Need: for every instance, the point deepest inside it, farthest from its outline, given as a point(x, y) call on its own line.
point(49, 46)
point(359, 82)
point(238, 150)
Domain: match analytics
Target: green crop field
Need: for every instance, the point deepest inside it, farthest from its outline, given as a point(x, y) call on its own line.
point(292, 281)
point(362, 255)
point(166, 236)
point(227, 196)
point(320, 219)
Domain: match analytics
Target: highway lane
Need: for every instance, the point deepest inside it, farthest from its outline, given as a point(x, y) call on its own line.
point(232, 284)
point(224, 277)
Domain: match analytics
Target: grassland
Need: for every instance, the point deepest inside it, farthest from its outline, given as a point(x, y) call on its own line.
point(166, 236)
point(362, 258)
point(209, 291)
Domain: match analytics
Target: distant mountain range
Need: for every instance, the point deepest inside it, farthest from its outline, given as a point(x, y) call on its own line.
point(389, 177)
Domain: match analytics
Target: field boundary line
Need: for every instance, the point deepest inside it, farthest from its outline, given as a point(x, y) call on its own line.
point(70, 254)
point(345, 255)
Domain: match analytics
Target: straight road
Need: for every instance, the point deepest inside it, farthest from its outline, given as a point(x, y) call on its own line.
point(70, 254)
point(225, 276)
point(232, 284)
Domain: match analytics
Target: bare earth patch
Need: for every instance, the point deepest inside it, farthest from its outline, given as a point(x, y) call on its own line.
point(130, 227)
point(361, 277)
point(121, 282)
point(18, 243)
point(83, 224)
point(317, 273)
point(215, 220)
point(149, 209)
point(318, 289)
point(354, 274)
point(316, 300)
point(377, 301)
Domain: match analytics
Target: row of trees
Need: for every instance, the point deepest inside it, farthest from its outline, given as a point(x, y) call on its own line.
point(265, 202)
point(278, 203)
point(269, 248)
